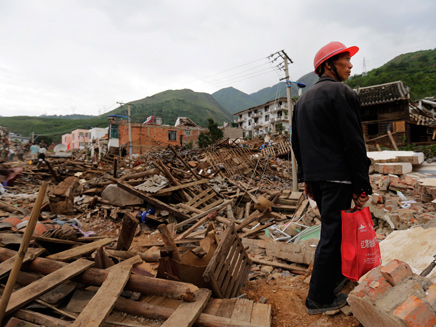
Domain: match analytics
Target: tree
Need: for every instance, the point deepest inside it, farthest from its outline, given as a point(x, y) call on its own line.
point(214, 134)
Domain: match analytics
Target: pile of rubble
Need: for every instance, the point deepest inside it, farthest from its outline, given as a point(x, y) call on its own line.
point(172, 237)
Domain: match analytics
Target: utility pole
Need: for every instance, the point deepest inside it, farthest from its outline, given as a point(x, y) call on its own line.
point(291, 110)
point(286, 58)
point(130, 131)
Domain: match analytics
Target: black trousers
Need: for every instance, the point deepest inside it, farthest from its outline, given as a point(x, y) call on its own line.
point(331, 198)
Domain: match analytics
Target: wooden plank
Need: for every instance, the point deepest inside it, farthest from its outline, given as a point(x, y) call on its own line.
point(243, 310)
point(256, 215)
point(226, 308)
point(80, 250)
point(197, 197)
point(154, 202)
point(213, 204)
point(187, 313)
point(56, 240)
point(127, 233)
point(30, 292)
point(32, 253)
point(261, 314)
point(213, 306)
point(203, 200)
point(103, 301)
point(182, 186)
point(203, 213)
point(231, 286)
point(301, 209)
point(228, 265)
point(256, 230)
point(290, 267)
point(169, 241)
point(224, 273)
point(392, 140)
point(41, 319)
point(241, 278)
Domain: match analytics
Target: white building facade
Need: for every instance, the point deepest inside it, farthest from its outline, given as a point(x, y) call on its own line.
point(270, 117)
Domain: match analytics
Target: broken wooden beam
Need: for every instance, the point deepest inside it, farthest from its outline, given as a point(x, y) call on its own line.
point(157, 312)
point(32, 291)
point(169, 241)
point(128, 231)
point(187, 313)
point(95, 277)
point(80, 250)
point(103, 301)
point(292, 268)
point(203, 213)
point(155, 202)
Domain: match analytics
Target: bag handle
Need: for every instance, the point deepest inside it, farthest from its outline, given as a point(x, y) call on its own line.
point(351, 210)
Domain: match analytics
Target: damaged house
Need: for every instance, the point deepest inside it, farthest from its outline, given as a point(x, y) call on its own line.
point(388, 108)
point(151, 135)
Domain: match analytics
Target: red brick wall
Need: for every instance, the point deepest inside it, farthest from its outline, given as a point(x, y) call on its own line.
point(147, 137)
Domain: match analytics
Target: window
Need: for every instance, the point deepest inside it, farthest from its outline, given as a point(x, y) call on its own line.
point(266, 117)
point(113, 131)
point(188, 132)
point(172, 135)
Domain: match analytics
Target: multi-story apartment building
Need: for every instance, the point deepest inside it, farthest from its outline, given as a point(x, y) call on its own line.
point(270, 117)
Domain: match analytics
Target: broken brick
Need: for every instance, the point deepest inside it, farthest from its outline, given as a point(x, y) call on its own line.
point(416, 313)
point(395, 271)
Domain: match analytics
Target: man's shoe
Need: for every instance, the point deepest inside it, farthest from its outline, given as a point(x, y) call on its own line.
point(340, 285)
point(314, 308)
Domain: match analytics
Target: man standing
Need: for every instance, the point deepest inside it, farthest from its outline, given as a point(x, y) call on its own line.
point(34, 151)
point(327, 140)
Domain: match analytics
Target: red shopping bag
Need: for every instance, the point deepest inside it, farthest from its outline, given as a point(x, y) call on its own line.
point(360, 250)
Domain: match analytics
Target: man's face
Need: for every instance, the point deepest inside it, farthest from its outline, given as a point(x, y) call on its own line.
point(343, 66)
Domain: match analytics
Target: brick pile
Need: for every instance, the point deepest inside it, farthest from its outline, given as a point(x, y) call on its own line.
point(393, 296)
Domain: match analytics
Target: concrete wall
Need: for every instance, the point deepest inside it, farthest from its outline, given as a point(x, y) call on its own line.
point(66, 139)
point(79, 138)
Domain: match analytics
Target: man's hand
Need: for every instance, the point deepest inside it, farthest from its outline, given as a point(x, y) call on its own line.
point(360, 200)
point(308, 191)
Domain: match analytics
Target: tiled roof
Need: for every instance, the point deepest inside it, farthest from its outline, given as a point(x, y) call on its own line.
point(383, 93)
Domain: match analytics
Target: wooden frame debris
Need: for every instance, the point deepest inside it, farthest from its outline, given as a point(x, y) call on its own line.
point(229, 267)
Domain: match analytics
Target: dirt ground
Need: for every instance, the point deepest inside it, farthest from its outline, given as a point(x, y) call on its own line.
point(287, 297)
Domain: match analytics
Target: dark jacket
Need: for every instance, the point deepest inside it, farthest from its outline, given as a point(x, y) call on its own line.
point(327, 136)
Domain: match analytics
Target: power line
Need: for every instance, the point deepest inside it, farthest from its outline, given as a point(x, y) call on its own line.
point(227, 70)
point(242, 78)
point(225, 77)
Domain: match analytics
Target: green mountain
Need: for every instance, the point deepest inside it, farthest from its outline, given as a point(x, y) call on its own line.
point(49, 129)
point(416, 69)
point(235, 100)
point(171, 104)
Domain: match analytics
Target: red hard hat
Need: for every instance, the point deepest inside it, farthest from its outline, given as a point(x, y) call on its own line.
point(330, 50)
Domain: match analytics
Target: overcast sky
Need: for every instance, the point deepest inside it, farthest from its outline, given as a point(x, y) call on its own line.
point(84, 56)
